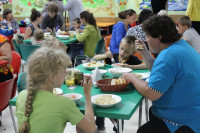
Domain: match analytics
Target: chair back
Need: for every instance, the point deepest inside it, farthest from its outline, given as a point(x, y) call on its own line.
point(15, 46)
point(100, 48)
point(107, 42)
point(21, 83)
point(6, 91)
point(16, 61)
point(27, 50)
point(22, 29)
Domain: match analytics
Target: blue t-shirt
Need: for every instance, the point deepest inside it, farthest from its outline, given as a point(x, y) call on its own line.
point(176, 74)
point(118, 32)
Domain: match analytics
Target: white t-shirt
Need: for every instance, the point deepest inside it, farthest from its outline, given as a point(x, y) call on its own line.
point(193, 38)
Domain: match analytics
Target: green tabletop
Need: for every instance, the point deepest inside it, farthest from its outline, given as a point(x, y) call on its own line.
point(131, 99)
point(68, 41)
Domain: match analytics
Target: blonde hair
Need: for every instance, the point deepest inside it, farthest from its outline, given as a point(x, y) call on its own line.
point(185, 20)
point(39, 34)
point(130, 40)
point(54, 43)
point(43, 62)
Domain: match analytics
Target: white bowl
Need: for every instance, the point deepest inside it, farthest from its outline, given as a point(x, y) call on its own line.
point(74, 96)
point(63, 37)
point(117, 72)
point(103, 72)
point(115, 97)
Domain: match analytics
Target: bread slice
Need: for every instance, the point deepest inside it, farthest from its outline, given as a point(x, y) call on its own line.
point(118, 81)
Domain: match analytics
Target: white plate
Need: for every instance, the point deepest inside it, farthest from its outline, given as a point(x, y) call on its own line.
point(74, 96)
point(117, 65)
point(57, 91)
point(143, 75)
point(117, 99)
point(117, 72)
point(64, 37)
point(92, 67)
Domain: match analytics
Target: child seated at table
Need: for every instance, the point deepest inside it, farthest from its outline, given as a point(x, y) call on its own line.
point(77, 25)
point(38, 109)
point(189, 34)
point(38, 38)
point(125, 56)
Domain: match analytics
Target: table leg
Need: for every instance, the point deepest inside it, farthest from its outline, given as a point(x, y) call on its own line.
point(146, 109)
point(13, 119)
point(118, 125)
point(140, 116)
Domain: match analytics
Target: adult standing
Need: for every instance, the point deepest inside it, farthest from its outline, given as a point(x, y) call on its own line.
point(158, 5)
point(51, 19)
point(59, 4)
point(8, 20)
point(173, 85)
point(193, 12)
point(74, 7)
point(119, 29)
point(36, 19)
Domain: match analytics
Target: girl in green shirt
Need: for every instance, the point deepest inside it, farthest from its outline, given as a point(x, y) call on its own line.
point(91, 34)
point(40, 111)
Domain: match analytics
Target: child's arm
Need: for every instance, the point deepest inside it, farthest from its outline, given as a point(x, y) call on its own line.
point(135, 67)
point(103, 56)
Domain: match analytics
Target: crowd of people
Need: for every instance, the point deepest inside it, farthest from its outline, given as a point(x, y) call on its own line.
point(173, 85)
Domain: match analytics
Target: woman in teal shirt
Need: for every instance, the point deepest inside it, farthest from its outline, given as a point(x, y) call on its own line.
point(91, 34)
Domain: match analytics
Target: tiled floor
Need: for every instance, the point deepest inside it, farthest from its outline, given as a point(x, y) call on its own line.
point(130, 126)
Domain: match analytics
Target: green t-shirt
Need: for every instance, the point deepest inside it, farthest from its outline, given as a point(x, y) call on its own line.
point(90, 36)
point(50, 113)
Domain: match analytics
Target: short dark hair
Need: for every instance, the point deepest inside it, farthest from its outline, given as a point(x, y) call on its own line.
point(89, 18)
point(6, 12)
point(124, 14)
point(185, 20)
point(163, 26)
point(77, 20)
point(53, 8)
point(144, 15)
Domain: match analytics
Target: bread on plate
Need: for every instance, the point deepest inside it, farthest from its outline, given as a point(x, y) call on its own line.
point(118, 81)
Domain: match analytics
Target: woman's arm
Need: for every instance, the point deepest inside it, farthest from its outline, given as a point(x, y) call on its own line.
point(87, 124)
point(84, 35)
point(28, 32)
point(5, 52)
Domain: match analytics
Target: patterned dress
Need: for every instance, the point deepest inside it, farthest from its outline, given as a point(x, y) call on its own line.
point(6, 72)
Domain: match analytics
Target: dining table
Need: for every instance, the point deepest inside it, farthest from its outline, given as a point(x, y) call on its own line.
point(67, 41)
point(124, 110)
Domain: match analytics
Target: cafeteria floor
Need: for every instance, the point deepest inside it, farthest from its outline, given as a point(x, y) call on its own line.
point(130, 126)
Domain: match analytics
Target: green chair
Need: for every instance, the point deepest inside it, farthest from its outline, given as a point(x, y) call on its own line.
point(100, 48)
point(21, 82)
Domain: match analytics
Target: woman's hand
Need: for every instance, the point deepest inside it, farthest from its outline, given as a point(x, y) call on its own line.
point(140, 46)
point(127, 77)
point(109, 55)
point(87, 85)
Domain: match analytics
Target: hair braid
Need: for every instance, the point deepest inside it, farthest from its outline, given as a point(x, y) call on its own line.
point(24, 128)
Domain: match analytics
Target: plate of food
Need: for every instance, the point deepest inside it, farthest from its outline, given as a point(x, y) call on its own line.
point(93, 65)
point(117, 72)
point(64, 33)
point(141, 75)
point(105, 100)
point(74, 96)
point(63, 37)
point(57, 91)
point(117, 64)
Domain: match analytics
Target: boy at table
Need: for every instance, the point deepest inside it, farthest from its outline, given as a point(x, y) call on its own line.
point(77, 25)
point(189, 34)
point(52, 20)
point(125, 56)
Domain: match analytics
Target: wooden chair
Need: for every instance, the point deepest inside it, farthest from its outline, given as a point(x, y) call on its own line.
point(107, 42)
